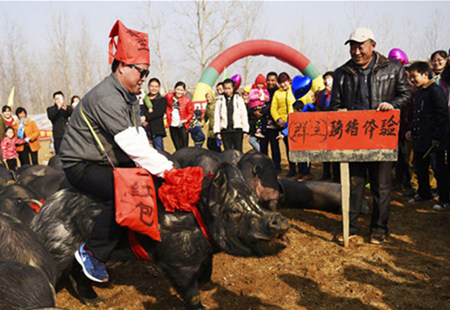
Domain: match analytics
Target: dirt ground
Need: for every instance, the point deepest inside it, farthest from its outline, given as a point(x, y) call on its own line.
point(411, 270)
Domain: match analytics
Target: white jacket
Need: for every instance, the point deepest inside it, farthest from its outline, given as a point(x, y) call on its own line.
point(240, 115)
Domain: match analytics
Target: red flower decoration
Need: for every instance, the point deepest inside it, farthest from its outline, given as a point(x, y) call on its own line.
point(181, 189)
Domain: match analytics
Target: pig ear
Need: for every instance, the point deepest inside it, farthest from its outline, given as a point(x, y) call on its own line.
point(217, 189)
point(257, 169)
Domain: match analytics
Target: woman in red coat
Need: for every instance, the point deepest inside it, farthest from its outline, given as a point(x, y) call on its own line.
point(180, 111)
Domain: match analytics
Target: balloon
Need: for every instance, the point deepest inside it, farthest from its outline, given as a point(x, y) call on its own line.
point(398, 54)
point(301, 86)
point(237, 79)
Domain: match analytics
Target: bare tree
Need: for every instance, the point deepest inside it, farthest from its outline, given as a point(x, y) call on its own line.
point(84, 56)
point(213, 22)
point(251, 12)
point(156, 26)
point(436, 34)
point(60, 47)
point(13, 45)
point(37, 80)
point(356, 14)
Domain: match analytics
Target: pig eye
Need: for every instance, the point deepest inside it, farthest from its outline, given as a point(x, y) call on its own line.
point(235, 212)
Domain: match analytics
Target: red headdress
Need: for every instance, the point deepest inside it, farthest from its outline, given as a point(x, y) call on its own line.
point(131, 46)
point(260, 79)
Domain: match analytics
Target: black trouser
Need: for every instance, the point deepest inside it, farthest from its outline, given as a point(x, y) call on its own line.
point(57, 144)
point(12, 163)
point(402, 171)
point(422, 165)
point(271, 138)
point(292, 165)
point(179, 137)
point(211, 144)
point(232, 140)
point(326, 173)
point(380, 185)
point(24, 156)
point(98, 181)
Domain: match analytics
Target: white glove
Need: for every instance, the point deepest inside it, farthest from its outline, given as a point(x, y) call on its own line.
point(135, 144)
point(27, 140)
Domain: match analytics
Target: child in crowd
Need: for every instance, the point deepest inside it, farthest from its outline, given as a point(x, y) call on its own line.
point(245, 93)
point(304, 168)
point(258, 97)
point(428, 132)
point(196, 129)
point(8, 145)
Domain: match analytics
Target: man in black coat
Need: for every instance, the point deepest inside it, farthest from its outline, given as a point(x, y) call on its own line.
point(58, 114)
point(369, 81)
point(155, 119)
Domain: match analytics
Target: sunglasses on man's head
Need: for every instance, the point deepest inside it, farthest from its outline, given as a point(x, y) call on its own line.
point(143, 72)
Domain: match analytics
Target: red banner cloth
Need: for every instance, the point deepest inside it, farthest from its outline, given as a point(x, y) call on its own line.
point(343, 130)
point(135, 198)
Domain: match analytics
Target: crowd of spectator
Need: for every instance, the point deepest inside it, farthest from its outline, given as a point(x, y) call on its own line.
point(260, 111)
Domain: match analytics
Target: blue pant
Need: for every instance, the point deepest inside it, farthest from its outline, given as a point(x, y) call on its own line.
point(157, 141)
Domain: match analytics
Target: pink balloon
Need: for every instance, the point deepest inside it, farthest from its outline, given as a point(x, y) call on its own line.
point(398, 54)
point(237, 79)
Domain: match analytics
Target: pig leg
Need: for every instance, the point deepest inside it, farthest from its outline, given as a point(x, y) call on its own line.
point(185, 280)
point(205, 272)
point(191, 297)
point(83, 286)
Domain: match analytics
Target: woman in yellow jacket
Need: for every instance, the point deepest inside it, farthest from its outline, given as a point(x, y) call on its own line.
point(27, 129)
point(282, 102)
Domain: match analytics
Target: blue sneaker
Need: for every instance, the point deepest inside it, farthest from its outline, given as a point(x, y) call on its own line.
point(93, 268)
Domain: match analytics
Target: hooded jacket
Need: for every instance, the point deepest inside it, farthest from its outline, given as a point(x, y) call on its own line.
point(387, 83)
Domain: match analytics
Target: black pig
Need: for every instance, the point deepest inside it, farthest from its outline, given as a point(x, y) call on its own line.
point(325, 196)
point(18, 243)
point(259, 172)
point(24, 287)
point(235, 223)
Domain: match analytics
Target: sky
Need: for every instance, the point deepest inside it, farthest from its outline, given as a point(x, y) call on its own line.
point(321, 26)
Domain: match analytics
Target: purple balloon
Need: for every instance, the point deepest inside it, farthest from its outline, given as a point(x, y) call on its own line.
point(237, 79)
point(398, 54)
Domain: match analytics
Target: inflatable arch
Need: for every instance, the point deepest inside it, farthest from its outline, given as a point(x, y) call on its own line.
point(278, 50)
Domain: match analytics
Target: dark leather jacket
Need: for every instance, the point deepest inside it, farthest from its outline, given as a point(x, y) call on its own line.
point(388, 83)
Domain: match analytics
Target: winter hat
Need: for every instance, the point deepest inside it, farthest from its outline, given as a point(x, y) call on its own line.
point(248, 88)
point(131, 46)
point(260, 79)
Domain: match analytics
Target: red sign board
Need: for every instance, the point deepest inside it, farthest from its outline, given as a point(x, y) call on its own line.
point(343, 130)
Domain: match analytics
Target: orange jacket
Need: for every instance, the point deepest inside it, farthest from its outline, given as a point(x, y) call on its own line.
point(31, 131)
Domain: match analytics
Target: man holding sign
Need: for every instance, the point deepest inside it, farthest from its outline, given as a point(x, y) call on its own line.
point(369, 81)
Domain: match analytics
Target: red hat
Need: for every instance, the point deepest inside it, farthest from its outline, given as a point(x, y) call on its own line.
point(260, 79)
point(131, 46)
